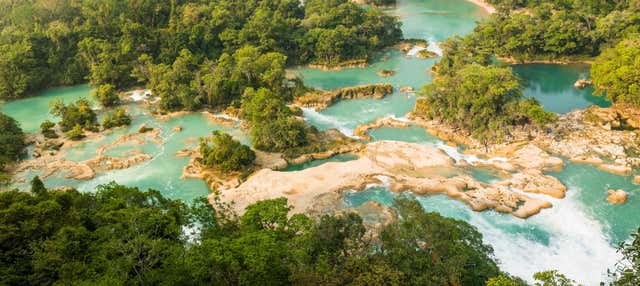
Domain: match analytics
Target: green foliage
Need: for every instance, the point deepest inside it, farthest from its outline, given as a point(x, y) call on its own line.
point(118, 117)
point(556, 29)
point(121, 236)
point(46, 127)
point(226, 153)
point(11, 143)
point(106, 94)
point(503, 280)
point(552, 278)
point(485, 101)
point(627, 271)
point(75, 114)
point(37, 186)
point(433, 250)
point(273, 126)
point(109, 42)
point(616, 72)
point(76, 133)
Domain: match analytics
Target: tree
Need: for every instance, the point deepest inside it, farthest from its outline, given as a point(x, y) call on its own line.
point(616, 72)
point(12, 143)
point(46, 127)
point(627, 271)
point(226, 153)
point(37, 186)
point(485, 101)
point(118, 117)
point(75, 114)
point(552, 278)
point(106, 95)
point(76, 133)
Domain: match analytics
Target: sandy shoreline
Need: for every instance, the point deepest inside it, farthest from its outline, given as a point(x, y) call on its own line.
point(486, 6)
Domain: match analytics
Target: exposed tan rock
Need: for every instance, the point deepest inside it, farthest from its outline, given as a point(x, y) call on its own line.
point(582, 83)
point(616, 196)
point(403, 166)
point(616, 169)
point(361, 130)
point(220, 119)
point(386, 73)
point(534, 181)
point(426, 54)
point(185, 153)
point(323, 99)
point(636, 179)
point(177, 128)
point(273, 161)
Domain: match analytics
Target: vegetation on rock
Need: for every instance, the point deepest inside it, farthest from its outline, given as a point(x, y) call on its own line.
point(226, 153)
point(75, 114)
point(118, 117)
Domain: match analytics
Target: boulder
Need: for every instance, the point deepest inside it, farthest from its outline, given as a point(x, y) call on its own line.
point(616, 196)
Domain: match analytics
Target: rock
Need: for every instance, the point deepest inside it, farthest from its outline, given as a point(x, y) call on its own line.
point(617, 196)
point(321, 100)
point(273, 161)
point(534, 181)
point(617, 169)
point(400, 166)
point(425, 54)
point(185, 153)
point(361, 130)
point(386, 73)
point(177, 128)
point(582, 83)
point(406, 89)
point(636, 179)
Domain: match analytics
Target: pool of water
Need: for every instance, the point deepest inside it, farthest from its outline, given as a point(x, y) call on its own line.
point(552, 85)
point(577, 236)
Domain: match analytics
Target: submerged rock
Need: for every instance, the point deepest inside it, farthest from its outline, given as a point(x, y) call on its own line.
point(636, 179)
point(616, 196)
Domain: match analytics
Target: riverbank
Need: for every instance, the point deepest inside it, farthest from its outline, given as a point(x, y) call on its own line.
point(484, 5)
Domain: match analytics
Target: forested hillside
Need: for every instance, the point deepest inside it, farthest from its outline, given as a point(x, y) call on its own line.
point(62, 42)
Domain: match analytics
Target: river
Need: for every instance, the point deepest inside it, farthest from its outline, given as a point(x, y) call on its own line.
point(577, 236)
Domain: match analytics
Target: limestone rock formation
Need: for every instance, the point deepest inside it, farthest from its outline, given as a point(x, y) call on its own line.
point(400, 166)
point(616, 196)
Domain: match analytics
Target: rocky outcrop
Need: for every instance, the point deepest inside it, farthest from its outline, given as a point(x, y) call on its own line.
point(582, 83)
point(606, 137)
point(386, 73)
point(401, 166)
point(361, 130)
point(636, 179)
point(323, 99)
point(534, 181)
point(616, 196)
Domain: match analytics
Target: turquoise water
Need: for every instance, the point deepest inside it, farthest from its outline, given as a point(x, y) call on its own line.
point(30, 112)
point(161, 173)
point(577, 236)
point(552, 85)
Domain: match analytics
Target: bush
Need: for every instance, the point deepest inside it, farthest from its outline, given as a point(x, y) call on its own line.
point(226, 153)
point(118, 118)
point(78, 113)
point(46, 128)
point(76, 133)
point(11, 143)
point(107, 95)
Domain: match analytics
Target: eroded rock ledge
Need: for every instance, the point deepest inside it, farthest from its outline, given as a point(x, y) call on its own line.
point(323, 99)
point(605, 137)
point(402, 167)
